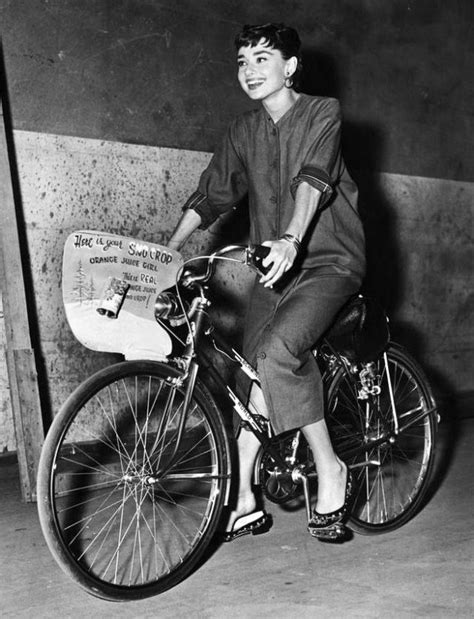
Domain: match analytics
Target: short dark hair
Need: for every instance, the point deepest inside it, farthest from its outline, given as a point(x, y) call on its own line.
point(276, 35)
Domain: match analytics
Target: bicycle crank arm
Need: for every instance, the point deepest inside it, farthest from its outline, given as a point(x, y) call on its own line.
point(299, 477)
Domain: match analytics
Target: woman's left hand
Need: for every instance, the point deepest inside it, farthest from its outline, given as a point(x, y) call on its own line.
point(281, 258)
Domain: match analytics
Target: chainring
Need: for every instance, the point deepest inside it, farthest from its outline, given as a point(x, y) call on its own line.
point(277, 484)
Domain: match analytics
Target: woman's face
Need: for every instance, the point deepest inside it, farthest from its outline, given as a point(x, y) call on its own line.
point(263, 70)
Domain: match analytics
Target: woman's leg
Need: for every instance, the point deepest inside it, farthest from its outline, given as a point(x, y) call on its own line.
point(247, 449)
point(332, 472)
point(280, 331)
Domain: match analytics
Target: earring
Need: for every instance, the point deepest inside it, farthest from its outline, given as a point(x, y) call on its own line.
point(288, 81)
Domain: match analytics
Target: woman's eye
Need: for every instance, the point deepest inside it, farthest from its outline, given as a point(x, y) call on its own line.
point(240, 63)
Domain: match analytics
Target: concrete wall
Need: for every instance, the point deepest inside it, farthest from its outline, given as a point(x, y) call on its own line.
point(420, 249)
point(100, 145)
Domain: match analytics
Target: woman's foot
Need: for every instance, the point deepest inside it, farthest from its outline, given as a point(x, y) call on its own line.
point(245, 506)
point(245, 519)
point(332, 489)
point(254, 523)
point(329, 526)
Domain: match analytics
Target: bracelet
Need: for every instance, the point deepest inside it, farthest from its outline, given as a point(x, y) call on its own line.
point(294, 240)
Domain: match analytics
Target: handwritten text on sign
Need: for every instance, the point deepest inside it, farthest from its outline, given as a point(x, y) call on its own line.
point(91, 260)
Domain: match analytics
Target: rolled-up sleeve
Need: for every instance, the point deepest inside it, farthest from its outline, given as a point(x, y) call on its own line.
point(222, 185)
point(320, 159)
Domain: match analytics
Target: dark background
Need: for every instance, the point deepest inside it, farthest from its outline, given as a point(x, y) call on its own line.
point(162, 73)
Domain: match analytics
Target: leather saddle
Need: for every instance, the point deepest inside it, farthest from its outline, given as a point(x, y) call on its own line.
point(360, 331)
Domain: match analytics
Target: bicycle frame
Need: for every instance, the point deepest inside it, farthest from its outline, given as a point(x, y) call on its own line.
point(259, 426)
point(136, 468)
point(194, 357)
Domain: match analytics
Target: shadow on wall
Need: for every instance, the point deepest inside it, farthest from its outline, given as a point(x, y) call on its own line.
point(385, 278)
point(362, 147)
point(232, 285)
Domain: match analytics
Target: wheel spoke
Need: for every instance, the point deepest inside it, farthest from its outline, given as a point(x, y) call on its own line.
point(131, 507)
point(363, 433)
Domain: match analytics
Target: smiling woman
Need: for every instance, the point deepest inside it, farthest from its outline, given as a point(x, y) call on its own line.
point(285, 157)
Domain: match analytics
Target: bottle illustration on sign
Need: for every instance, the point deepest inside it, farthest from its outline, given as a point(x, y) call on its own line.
point(112, 297)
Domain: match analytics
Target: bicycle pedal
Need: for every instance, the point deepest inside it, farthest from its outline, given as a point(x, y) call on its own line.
point(335, 532)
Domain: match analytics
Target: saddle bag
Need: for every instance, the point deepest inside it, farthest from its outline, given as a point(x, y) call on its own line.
point(360, 331)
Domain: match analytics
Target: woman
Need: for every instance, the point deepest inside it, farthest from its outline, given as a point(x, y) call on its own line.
point(285, 157)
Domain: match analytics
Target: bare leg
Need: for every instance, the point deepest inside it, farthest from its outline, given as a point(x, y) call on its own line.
point(331, 470)
point(247, 446)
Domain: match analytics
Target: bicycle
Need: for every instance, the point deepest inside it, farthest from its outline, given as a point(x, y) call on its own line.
point(136, 468)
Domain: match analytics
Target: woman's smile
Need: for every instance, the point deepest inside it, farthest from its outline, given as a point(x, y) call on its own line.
point(253, 84)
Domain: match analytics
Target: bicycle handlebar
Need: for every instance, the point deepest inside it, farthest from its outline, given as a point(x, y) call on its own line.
point(253, 257)
point(187, 278)
point(170, 307)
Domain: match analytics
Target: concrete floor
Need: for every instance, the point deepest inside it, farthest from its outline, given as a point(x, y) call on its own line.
point(424, 569)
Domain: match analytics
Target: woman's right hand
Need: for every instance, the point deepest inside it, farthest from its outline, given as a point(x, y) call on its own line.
point(281, 258)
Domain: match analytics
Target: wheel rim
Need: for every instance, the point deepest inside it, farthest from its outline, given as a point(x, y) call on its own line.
point(129, 507)
point(390, 468)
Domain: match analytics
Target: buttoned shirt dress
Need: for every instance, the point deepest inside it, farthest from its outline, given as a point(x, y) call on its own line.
point(265, 162)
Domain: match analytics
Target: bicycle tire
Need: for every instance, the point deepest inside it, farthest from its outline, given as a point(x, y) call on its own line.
point(393, 471)
point(124, 516)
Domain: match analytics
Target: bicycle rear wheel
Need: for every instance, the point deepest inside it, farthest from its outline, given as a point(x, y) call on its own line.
point(131, 487)
point(392, 469)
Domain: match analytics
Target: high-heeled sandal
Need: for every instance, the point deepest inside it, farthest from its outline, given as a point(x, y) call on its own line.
point(255, 524)
point(331, 526)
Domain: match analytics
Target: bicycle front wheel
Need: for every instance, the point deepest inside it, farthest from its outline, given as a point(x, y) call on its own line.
point(392, 465)
point(131, 485)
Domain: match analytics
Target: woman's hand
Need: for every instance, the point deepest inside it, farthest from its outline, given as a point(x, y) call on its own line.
point(282, 255)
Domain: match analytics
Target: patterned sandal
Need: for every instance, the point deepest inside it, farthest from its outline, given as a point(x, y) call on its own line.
point(255, 524)
point(330, 526)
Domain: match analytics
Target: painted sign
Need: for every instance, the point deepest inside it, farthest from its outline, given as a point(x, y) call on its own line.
point(110, 283)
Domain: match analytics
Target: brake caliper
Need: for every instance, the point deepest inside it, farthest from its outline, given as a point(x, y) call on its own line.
point(369, 382)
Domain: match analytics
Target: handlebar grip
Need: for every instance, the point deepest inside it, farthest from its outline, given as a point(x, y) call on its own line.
point(257, 253)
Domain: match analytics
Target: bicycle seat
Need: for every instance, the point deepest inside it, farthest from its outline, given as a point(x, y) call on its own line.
point(360, 331)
